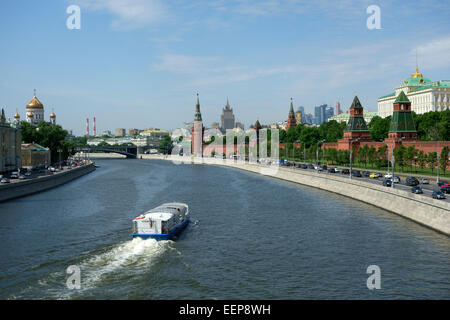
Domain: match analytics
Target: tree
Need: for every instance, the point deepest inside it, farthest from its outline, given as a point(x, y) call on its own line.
point(379, 128)
point(363, 154)
point(382, 155)
point(443, 159)
point(410, 154)
point(421, 159)
point(399, 154)
point(372, 155)
point(432, 160)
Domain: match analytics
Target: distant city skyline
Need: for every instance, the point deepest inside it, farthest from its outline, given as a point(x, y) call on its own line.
point(139, 64)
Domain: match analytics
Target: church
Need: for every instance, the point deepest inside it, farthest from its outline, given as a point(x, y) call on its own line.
point(35, 111)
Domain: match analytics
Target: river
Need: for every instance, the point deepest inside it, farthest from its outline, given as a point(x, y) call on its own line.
point(250, 237)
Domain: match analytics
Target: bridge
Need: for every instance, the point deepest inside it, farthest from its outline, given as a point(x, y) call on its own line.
point(131, 151)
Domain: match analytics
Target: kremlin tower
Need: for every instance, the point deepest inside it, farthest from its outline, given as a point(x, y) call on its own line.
point(292, 122)
point(402, 122)
point(197, 132)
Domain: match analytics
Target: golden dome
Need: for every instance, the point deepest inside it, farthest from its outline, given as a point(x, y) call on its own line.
point(35, 103)
point(17, 116)
point(417, 74)
point(52, 115)
point(30, 115)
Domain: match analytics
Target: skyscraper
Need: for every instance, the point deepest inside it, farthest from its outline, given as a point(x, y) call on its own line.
point(338, 108)
point(227, 120)
point(320, 114)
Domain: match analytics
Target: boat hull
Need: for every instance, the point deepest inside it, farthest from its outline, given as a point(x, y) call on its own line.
point(163, 236)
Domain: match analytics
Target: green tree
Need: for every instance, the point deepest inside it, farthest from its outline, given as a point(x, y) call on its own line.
point(410, 154)
point(399, 154)
point(443, 159)
point(379, 128)
point(432, 160)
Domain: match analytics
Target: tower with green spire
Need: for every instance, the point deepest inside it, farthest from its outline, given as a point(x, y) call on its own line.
point(356, 125)
point(402, 121)
point(198, 131)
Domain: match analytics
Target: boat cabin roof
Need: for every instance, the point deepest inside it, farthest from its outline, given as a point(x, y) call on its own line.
point(164, 212)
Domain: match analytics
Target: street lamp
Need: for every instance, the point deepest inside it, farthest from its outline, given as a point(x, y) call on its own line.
point(317, 152)
point(438, 164)
point(393, 160)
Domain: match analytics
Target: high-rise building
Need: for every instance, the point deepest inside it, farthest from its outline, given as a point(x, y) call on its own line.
point(320, 114)
point(298, 117)
point(337, 109)
point(302, 110)
point(120, 132)
point(10, 144)
point(227, 120)
point(329, 112)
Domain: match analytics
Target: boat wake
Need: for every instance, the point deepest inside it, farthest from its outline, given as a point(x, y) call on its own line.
point(115, 264)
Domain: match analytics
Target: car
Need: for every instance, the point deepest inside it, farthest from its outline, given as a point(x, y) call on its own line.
point(445, 188)
point(337, 170)
point(303, 166)
point(396, 179)
point(438, 195)
point(5, 180)
point(416, 189)
point(411, 181)
point(324, 167)
point(345, 171)
point(380, 175)
point(374, 175)
point(388, 175)
point(356, 173)
point(22, 177)
point(310, 166)
point(387, 182)
point(442, 183)
point(331, 170)
point(424, 181)
point(366, 174)
point(14, 175)
point(28, 173)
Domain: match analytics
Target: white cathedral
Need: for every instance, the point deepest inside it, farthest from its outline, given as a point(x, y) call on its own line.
point(35, 111)
point(424, 95)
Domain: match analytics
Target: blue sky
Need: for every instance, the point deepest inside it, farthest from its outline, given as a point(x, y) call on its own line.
point(140, 63)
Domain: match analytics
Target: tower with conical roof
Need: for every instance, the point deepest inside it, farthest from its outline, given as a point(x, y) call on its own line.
point(291, 122)
point(356, 126)
point(35, 110)
point(402, 122)
point(198, 131)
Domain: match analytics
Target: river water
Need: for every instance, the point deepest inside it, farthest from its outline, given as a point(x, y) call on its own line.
point(254, 238)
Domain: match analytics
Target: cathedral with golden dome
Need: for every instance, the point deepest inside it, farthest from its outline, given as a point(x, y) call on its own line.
point(35, 111)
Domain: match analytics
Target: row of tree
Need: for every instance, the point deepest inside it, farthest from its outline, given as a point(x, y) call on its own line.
point(373, 157)
point(430, 126)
